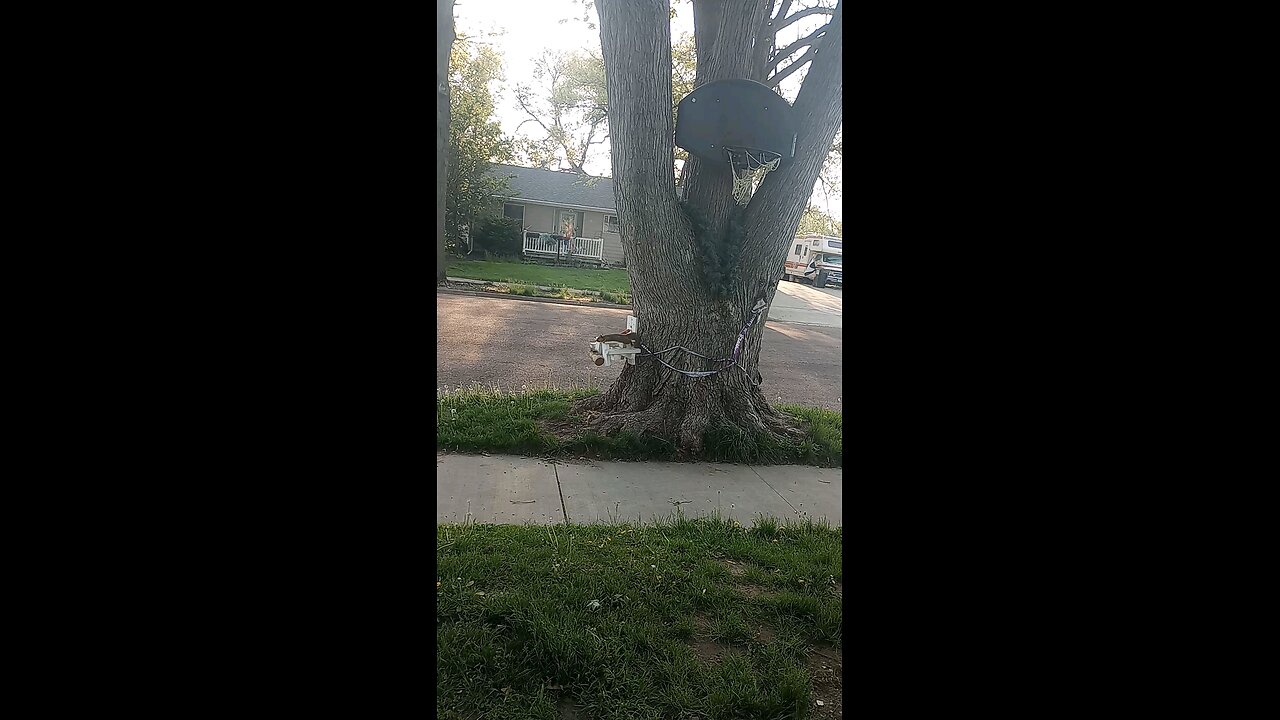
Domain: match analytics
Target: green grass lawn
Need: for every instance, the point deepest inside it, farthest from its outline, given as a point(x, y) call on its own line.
point(680, 619)
point(480, 420)
point(613, 281)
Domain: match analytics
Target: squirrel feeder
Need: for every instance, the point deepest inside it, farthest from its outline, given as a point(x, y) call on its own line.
point(622, 346)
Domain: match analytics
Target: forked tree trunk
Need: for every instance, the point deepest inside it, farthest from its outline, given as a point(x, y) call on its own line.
point(673, 303)
point(444, 45)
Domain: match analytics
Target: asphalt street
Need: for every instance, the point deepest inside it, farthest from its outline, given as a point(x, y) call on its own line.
point(514, 344)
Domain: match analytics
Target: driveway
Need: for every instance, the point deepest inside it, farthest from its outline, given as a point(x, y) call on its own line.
point(799, 303)
point(513, 343)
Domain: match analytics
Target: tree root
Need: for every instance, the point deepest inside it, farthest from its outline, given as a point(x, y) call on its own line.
point(636, 423)
point(686, 413)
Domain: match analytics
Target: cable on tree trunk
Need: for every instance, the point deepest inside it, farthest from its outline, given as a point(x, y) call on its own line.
point(732, 360)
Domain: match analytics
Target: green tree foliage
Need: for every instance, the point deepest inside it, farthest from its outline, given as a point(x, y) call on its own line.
point(567, 109)
point(833, 167)
point(816, 222)
point(475, 139)
point(684, 70)
point(684, 66)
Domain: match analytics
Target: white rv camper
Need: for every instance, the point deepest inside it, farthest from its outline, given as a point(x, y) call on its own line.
point(816, 259)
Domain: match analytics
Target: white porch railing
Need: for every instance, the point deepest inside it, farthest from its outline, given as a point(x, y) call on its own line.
point(554, 246)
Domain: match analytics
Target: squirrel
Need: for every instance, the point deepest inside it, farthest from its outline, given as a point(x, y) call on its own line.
point(626, 338)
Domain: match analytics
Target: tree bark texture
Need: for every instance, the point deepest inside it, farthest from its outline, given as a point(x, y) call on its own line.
point(673, 303)
point(444, 45)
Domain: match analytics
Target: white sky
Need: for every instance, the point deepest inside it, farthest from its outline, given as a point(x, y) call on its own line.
point(526, 28)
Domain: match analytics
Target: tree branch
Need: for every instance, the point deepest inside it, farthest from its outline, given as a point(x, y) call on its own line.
point(779, 77)
point(725, 50)
point(825, 189)
point(802, 14)
point(766, 39)
point(556, 135)
point(790, 50)
point(778, 204)
point(586, 145)
point(532, 117)
point(706, 26)
point(709, 184)
point(635, 38)
point(783, 9)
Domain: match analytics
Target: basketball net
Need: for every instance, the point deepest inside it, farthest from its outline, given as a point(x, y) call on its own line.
point(749, 168)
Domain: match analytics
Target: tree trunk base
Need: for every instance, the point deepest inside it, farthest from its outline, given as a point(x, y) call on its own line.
point(690, 413)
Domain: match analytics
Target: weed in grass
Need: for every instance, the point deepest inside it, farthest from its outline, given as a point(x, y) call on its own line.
point(824, 429)
point(616, 298)
point(765, 527)
point(525, 291)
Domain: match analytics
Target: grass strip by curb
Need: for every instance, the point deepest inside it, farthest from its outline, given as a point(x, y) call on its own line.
point(485, 420)
point(614, 281)
point(681, 618)
point(593, 303)
point(564, 293)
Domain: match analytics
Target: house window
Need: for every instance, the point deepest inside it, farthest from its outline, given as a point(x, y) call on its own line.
point(611, 224)
point(515, 212)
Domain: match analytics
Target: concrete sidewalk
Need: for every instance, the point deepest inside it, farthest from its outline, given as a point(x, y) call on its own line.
point(518, 490)
point(796, 303)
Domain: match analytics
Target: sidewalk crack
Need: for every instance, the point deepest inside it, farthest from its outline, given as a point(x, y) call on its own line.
point(775, 490)
point(563, 510)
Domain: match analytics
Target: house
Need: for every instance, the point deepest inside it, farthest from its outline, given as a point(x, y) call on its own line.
point(552, 206)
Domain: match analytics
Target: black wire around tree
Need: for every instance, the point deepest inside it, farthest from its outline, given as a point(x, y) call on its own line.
point(733, 361)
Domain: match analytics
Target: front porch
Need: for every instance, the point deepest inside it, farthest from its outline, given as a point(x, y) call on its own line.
point(544, 246)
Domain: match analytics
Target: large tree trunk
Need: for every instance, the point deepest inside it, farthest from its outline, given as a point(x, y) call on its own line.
point(674, 304)
point(444, 44)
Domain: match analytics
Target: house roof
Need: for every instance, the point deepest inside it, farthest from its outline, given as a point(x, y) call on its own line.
point(558, 188)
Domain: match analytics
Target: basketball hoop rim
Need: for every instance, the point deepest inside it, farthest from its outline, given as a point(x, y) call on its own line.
point(744, 149)
point(749, 155)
